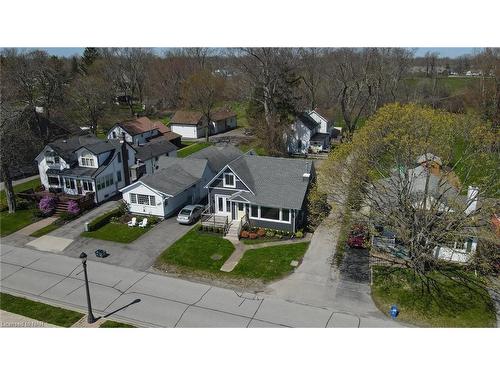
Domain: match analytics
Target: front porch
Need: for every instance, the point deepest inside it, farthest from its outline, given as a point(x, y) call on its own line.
point(84, 201)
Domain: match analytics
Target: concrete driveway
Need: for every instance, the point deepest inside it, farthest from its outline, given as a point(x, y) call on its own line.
point(138, 255)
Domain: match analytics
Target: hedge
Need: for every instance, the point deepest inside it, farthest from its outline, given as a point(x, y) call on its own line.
point(104, 219)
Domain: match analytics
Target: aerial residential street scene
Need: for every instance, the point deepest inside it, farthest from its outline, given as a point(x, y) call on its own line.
point(178, 187)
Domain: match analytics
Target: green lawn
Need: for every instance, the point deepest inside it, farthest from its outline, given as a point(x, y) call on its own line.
point(10, 223)
point(192, 148)
point(117, 232)
point(45, 230)
point(240, 108)
point(197, 251)
point(269, 263)
point(39, 311)
point(113, 324)
point(24, 186)
point(456, 306)
point(259, 150)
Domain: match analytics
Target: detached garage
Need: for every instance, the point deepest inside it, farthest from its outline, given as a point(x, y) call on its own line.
point(193, 124)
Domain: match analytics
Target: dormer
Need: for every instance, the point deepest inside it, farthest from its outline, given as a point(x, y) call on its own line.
point(52, 158)
point(87, 159)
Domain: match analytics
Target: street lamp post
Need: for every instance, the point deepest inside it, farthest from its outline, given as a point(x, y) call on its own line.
point(90, 316)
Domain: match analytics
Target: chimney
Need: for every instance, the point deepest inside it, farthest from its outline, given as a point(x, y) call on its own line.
point(472, 198)
point(306, 175)
point(124, 151)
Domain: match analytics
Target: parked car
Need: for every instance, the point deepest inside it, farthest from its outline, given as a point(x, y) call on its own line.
point(358, 237)
point(190, 214)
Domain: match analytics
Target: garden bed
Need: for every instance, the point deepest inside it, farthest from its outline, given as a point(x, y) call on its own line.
point(254, 235)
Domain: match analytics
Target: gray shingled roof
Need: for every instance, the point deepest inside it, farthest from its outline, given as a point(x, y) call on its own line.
point(65, 147)
point(176, 175)
point(275, 182)
point(218, 156)
point(153, 149)
point(308, 121)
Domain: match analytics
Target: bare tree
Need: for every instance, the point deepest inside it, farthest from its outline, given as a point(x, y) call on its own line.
point(202, 91)
point(89, 96)
point(272, 76)
point(312, 73)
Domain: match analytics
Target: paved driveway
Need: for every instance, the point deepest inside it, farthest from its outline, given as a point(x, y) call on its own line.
point(137, 255)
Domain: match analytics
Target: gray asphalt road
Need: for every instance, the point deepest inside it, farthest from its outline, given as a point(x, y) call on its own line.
point(152, 300)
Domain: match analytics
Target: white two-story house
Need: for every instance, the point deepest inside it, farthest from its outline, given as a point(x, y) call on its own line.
point(310, 132)
point(85, 164)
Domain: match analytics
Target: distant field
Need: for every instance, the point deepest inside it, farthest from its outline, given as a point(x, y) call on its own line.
point(454, 84)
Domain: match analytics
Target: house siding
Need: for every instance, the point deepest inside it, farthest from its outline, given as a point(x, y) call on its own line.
point(302, 133)
point(157, 210)
point(271, 224)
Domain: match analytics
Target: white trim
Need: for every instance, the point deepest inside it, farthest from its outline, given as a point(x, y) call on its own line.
point(221, 171)
point(133, 185)
point(271, 220)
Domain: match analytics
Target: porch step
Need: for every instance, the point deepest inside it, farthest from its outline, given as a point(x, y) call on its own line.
point(232, 232)
point(60, 208)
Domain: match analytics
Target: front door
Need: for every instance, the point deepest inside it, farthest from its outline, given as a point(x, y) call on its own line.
point(240, 210)
point(222, 205)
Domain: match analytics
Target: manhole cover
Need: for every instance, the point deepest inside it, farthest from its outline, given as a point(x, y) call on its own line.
point(216, 257)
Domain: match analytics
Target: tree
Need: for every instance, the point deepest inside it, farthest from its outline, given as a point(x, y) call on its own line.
point(201, 91)
point(90, 54)
point(271, 74)
point(312, 73)
point(89, 96)
point(18, 144)
point(127, 69)
point(34, 81)
point(427, 206)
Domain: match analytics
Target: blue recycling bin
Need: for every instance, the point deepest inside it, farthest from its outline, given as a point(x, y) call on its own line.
point(394, 311)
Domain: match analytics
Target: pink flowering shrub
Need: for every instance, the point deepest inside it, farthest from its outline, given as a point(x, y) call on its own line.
point(47, 205)
point(73, 208)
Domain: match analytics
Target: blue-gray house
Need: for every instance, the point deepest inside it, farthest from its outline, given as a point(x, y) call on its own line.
point(264, 191)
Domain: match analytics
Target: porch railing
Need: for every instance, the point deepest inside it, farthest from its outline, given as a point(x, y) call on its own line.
point(210, 219)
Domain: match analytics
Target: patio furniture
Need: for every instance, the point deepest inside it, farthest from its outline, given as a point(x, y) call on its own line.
point(144, 223)
point(133, 222)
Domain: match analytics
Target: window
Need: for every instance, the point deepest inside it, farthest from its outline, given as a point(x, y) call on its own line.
point(87, 161)
point(229, 180)
point(220, 204)
point(270, 213)
point(133, 198)
point(254, 211)
point(118, 176)
point(143, 199)
point(53, 181)
point(87, 185)
point(56, 159)
point(69, 183)
point(228, 205)
point(119, 157)
point(241, 207)
point(113, 135)
point(299, 144)
point(285, 215)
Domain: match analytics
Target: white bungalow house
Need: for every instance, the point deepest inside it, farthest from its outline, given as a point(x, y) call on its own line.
point(177, 182)
point(310, 132)
point(85, 164)
point(193, 124)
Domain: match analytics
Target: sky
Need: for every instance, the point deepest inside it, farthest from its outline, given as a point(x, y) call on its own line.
point(443, 52)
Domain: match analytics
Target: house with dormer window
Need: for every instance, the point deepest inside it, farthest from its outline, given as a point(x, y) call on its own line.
point(85, 165)
point(262, 191)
